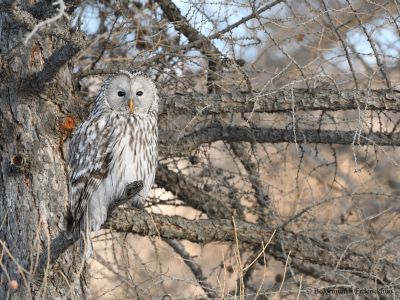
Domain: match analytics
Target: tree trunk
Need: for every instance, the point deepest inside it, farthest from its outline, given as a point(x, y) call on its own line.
point(33, 178)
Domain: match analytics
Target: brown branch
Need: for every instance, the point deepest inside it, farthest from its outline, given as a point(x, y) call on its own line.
point(340, 38)
point(204, 44)
point(309, 255)
point(253, 174)
point(274, 135)
point(245, 19)
point(183, 26)
point(197, 39)
point(281, 101)
point(373, 46)
point(307, 251)
point(191, 194)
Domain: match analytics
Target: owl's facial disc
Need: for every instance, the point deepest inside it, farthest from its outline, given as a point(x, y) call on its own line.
point(143, 93)
point(132, 95)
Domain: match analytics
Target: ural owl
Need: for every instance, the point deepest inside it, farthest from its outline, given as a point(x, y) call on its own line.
point(115, 146)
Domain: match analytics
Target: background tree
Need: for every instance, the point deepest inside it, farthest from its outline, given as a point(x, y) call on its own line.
point(279, 144)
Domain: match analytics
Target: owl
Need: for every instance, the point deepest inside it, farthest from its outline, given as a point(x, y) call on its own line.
point(114, 147)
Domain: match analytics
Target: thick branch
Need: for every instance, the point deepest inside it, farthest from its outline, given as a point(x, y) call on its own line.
point(191, 194)
point(53, 64)
point(305, 249)
point(206, 46)
point(282, 100)
point(182, 25)
point(274, 135)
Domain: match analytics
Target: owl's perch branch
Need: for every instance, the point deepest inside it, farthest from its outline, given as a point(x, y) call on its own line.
point(311, 256)
point(64, 240)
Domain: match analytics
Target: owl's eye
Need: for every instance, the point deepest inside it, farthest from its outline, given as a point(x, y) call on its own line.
point(140, 93)
point(121, 93)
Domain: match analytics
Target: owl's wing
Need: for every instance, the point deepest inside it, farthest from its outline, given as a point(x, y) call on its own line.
point(89, 157)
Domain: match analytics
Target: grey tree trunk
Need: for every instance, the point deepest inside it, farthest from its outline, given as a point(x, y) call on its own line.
point(33, 175)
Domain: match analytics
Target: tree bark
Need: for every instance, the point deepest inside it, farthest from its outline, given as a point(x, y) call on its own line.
point(282, 100)
point(33, 181)
point(306, 251)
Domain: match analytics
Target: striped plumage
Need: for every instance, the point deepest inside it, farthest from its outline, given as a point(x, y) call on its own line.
point(116, 146)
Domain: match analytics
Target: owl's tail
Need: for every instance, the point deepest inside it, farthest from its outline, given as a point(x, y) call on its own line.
point(85, 240)
point(81, 233)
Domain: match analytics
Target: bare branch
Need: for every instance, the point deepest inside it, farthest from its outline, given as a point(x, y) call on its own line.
point(281, 101)
point(193, 266)
point(190, 194)
point(311, 251)
point(274, 135)
point(245, 19)
point(344, 46)
point(254, 178)
point(182, 25)
point(373, 46)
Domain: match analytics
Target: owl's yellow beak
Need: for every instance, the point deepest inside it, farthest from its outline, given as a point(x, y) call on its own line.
point(131, 105)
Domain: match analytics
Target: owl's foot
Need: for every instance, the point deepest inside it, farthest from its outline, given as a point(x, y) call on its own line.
point(131, 190)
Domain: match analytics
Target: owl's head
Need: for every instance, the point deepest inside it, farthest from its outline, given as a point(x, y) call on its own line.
point(130, 93)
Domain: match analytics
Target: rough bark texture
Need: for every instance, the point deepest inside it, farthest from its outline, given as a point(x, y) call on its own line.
point(283, 100)
point(33, 182)
point(273, 135)
point(210, 204)
point(305, 251)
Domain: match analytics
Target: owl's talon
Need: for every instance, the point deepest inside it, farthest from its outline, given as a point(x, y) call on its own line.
point(133, 188)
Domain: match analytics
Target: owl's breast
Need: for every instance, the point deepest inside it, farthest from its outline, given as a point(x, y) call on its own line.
point(134, 155)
